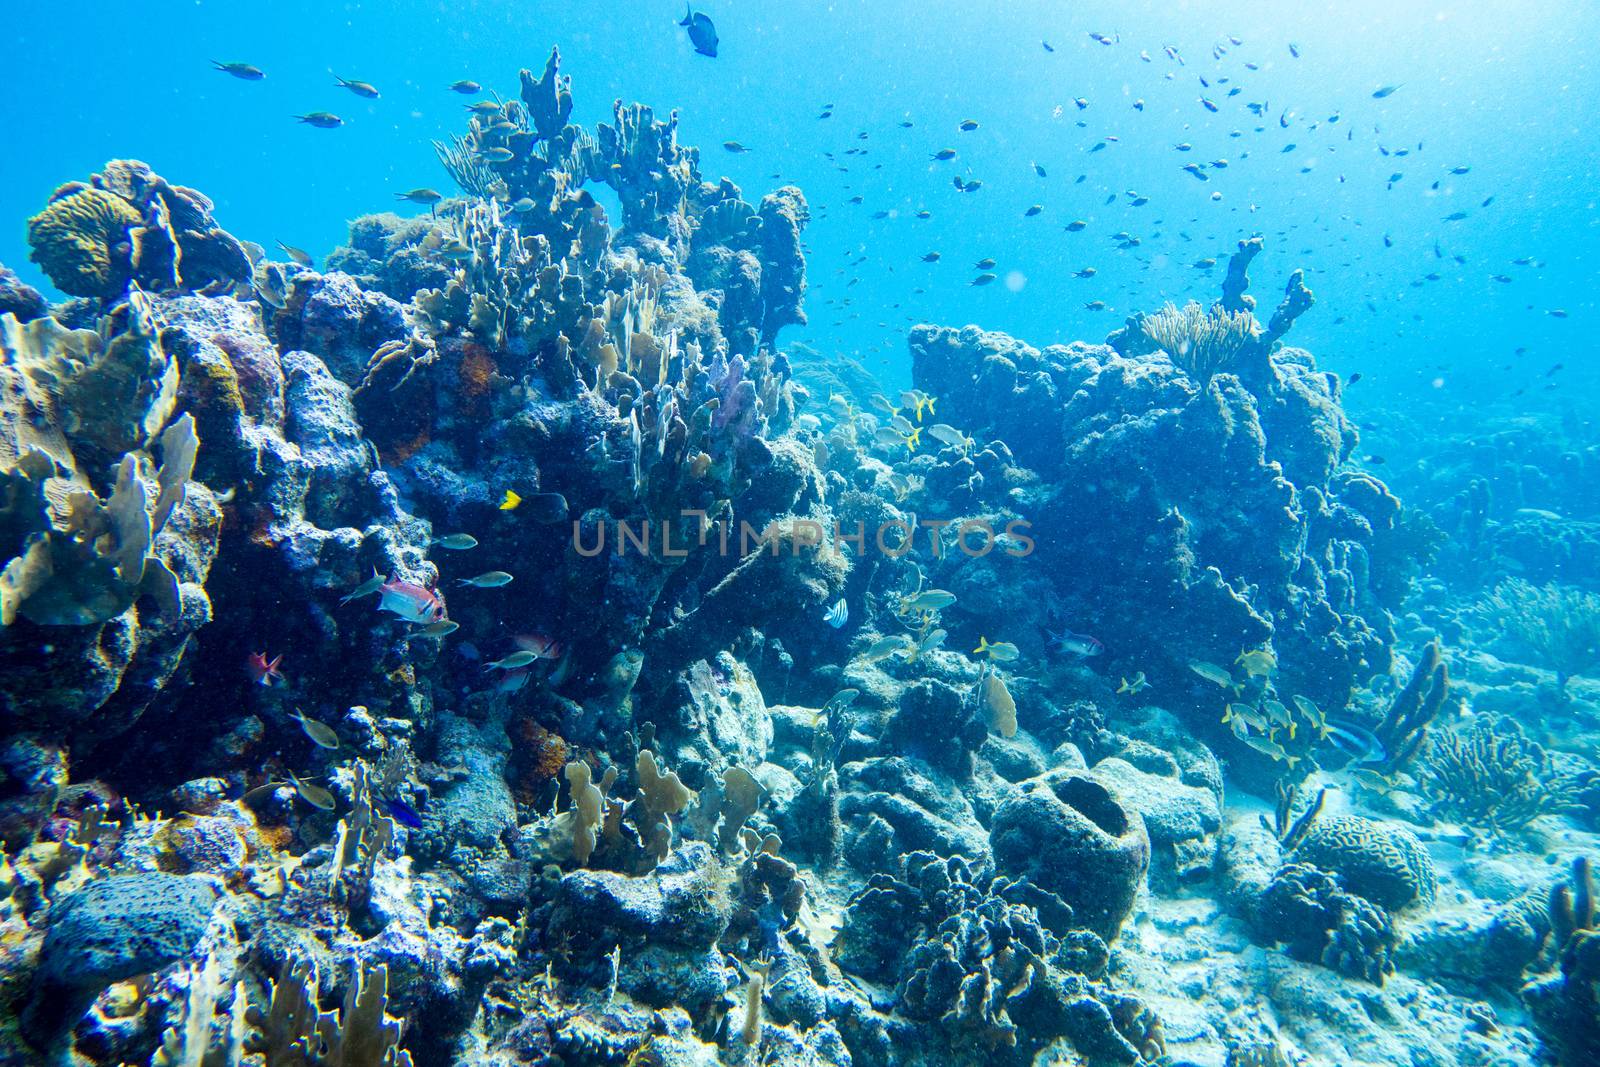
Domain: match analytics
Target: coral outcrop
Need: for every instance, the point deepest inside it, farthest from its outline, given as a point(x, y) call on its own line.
point(128, 223)
point(1215, 491)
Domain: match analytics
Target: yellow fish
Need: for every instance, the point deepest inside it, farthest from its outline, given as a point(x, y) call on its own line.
point(1135, 687)
point(925, 403)
point(913, 439)
point(1004, 651)
point(510, 501)
point(1258, 662)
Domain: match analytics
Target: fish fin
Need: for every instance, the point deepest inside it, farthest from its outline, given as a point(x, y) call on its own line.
point(688, 15)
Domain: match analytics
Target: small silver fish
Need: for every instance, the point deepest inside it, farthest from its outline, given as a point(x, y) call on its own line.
point(456, 542)
point(884, 647)
point(366, 588)
point(442, 628)
point(314, 795)
point(319, 732)
point(1212, 673)
point(1081, 645)
point(271, 284)
point(488, 580)
point(299, 255)
point(512, 662)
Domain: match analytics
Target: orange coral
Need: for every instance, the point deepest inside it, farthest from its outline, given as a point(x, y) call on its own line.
point(540, 757)
point(400, 451)
point(477, 373)
point(548, 752)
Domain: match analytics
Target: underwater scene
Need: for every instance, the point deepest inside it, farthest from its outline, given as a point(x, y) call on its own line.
point(894, 534)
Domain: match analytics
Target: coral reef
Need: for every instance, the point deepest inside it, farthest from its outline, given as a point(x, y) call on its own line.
point(1132, 451)
point(471, 634)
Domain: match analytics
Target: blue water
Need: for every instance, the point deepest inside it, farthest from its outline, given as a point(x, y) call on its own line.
point(1502, 89)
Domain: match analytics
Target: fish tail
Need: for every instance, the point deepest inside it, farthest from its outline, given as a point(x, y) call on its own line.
point(688, 15)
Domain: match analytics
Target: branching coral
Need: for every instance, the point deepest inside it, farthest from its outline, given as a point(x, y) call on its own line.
point(359, 843)
point(200, 1038)
point(589, 806)
point(1558, 623)
point(661, 796)
point(1202, 343)
point(1494, 777)
point(293, 1032)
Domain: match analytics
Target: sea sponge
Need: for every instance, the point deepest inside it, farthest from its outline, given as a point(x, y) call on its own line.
point(1072, 836)
point(1386, 864)
point(75, 241)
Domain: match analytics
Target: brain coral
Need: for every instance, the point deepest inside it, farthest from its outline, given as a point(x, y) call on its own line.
point(1385, 864)
point(74, 237)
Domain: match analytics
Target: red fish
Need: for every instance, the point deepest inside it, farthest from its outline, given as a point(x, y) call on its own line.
point(412, 602)
point(540, 645)
point(264, 671)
